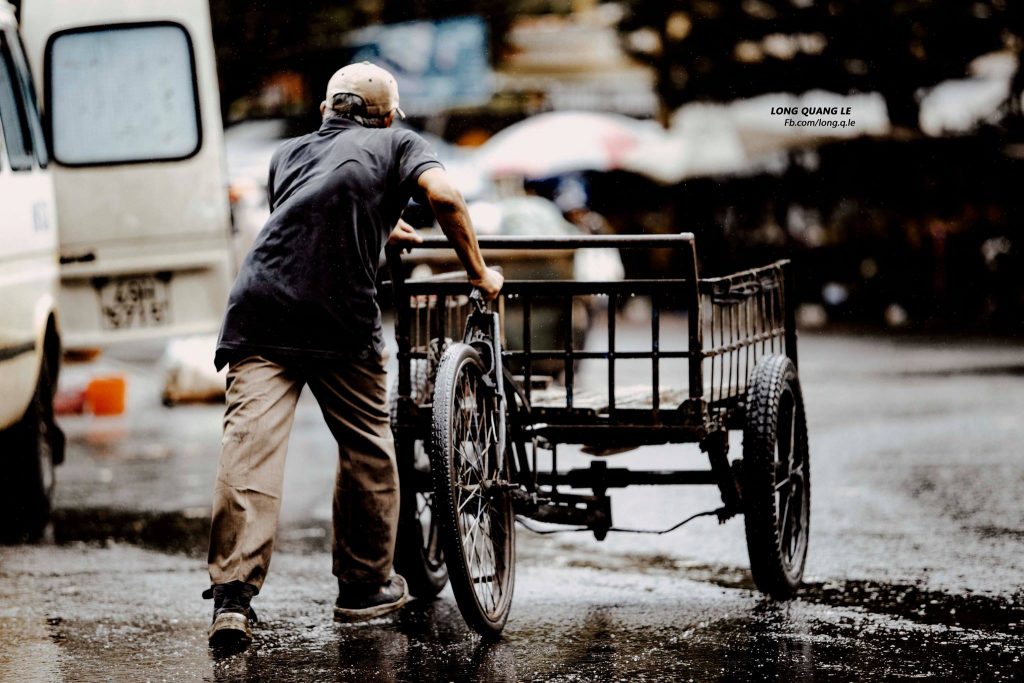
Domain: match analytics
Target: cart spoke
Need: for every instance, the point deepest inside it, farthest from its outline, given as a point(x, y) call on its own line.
point(489, 565)
point(781, 478)
point(792, 524)
point(425, 515)
point(794, 531)
point(480, 560)
point(466, 501)
point(795, 476)
point(432, 540)
point(501, 525)
point(486, 557)
point(469, 541)
point(791, 455)
point(784, 515)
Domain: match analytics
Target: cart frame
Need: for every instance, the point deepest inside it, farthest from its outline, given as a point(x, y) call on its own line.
point(459, 402)
point(732, 322)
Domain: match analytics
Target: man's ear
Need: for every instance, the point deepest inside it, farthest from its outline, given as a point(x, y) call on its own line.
point(323, 108)
point(389, 120)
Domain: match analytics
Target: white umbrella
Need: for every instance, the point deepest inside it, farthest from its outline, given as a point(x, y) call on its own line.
point(561, 142)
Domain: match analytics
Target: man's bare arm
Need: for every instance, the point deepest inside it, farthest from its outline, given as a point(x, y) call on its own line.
point(452, 215)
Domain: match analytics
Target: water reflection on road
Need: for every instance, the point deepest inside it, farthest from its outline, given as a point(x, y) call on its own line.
point(914, 568)
point(117, 612)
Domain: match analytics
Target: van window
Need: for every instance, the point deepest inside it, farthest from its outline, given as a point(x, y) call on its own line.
point(13, 118)
point(28, 93)
point(121, 94)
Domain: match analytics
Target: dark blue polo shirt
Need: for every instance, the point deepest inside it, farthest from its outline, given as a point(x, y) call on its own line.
point(307, 287)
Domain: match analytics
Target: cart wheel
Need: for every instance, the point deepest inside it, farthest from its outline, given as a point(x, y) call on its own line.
point(776, 477)
point(470, 463)
point(419, 557)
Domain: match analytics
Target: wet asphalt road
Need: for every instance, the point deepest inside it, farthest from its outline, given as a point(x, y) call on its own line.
point(914, 569)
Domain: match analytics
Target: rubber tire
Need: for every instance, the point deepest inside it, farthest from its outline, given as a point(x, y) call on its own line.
point(454, 362)
point(425, 580)
point(28, 466)
point(773, 376)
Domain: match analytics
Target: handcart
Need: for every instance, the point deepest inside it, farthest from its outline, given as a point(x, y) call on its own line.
point(477, 429)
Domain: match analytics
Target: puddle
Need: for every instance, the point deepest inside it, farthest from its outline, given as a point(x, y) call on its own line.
point(186, 532)
point(981, 371)
point(912, 602)
point(915, 603)
point(992, 531)
point(176, 532)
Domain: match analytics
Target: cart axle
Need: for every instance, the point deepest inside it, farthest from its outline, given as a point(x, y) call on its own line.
point(619, 477)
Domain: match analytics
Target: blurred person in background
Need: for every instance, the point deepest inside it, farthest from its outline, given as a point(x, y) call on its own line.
point(302, 311)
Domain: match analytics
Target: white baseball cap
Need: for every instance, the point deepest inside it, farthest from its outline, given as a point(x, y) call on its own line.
point(376, 86)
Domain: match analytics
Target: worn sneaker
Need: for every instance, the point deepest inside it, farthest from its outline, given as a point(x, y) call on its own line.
point(359, 603)
point(232, 614)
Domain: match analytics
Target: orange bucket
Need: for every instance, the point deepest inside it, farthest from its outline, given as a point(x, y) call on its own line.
point(105, 395)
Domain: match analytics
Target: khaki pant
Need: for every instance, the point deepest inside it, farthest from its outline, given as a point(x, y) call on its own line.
point(261, 398)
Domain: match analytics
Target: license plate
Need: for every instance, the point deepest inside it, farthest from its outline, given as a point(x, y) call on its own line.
point(137, 301)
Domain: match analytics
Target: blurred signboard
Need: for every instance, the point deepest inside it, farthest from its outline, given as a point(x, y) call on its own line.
point(439, 64)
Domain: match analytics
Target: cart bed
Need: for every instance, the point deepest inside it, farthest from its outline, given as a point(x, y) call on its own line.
point(628, 397)
point(731, 322)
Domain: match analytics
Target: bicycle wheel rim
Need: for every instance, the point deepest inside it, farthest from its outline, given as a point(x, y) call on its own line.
point(482, 512)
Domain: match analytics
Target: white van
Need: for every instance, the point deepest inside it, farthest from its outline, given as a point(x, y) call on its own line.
point(30, 443)
point(132, 112)
point(123, 233)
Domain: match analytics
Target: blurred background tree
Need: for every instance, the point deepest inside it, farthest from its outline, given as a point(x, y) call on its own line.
point(722, 50)
point(712, 50)
point(257, 39)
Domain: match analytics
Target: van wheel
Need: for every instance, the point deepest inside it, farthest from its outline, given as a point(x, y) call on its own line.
point(31, 448)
